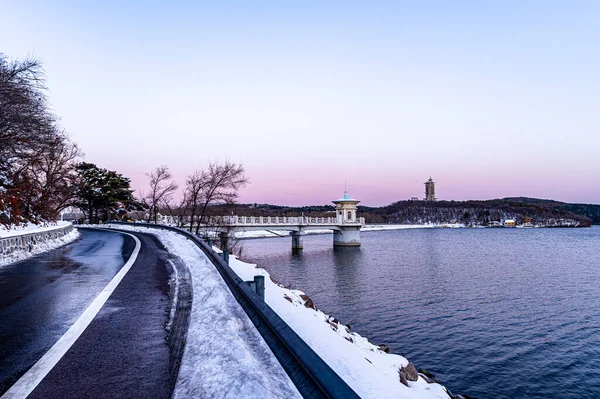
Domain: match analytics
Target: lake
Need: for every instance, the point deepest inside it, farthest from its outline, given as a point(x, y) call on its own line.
point(493, 313)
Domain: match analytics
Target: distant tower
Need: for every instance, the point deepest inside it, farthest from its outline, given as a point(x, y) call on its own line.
point(430, 190)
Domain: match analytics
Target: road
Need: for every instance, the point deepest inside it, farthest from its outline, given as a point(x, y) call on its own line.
point(125, 351)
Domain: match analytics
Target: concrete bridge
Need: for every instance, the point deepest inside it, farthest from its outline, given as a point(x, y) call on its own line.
point(346, 233)
point(345, 225)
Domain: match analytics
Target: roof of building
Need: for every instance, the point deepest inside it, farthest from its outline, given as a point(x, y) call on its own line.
point(346, 198)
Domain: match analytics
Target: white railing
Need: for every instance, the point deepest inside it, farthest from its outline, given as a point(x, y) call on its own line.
point(281, 220)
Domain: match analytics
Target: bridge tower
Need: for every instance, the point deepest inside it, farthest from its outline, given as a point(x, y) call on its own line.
point(349, 226)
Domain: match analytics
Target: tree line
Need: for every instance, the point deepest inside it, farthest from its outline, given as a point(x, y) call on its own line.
point(42, 171)
point(218, 184)
point(473, 213)
point(36, 155)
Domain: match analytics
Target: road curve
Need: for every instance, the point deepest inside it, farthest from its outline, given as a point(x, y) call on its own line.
point(124, 352)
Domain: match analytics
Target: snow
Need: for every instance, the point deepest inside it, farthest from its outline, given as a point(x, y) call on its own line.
point(224, 356)
point(40, 247)
point(371, 227)
point(30, 228)
point(232, 355)
point(371, 372)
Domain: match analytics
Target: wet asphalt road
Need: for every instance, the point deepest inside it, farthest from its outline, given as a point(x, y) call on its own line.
point(124, 351)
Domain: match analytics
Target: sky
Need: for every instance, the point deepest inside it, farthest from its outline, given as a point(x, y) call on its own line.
point(491, 99)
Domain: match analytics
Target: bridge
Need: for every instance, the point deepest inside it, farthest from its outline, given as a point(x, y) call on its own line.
point(345, 225)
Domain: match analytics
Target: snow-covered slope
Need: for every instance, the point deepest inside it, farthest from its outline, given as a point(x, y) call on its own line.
point(224, 356)
point(40, 246)
point(370, 371)
point(30, 228)
point(222, 343)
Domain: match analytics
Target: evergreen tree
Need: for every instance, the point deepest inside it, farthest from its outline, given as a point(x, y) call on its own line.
point(100, 193)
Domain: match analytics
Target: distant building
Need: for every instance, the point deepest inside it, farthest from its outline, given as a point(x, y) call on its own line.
point(430, 190)
point(414, 198)
point(510, 223)
point(346, 209)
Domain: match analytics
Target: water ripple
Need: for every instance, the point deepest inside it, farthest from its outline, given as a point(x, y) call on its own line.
point(494, 313)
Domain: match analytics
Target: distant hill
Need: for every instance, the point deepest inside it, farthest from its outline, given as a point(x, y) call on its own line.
point(591, 211)
point(542, 211)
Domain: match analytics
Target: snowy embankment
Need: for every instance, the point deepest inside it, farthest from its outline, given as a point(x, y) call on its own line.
point(30, 228)
point(222, 343)
point(370, 227)
point(367, 368)
point(43, 241)
point(224, 355)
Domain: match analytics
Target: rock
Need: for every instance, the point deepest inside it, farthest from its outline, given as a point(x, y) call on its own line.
point(403, 378)
point(427, 376)
point(334, 326)
point(349, 339)
point(308, 302)
point(384, 348)
point(288, 298)
point(408, 373)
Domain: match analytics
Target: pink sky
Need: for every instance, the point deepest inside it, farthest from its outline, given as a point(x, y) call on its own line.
point(491, 100)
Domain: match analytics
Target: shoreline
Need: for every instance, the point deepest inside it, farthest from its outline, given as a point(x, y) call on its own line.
point(352, 356)
point(273, 233)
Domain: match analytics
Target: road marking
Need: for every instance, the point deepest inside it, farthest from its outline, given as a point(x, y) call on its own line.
point(27, 383)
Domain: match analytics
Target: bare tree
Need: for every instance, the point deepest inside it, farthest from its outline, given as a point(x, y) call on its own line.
point(36, 156)
point(178, 211)
point(162, 188)
point(52, 176)
point(219, 184)
point(194, 186)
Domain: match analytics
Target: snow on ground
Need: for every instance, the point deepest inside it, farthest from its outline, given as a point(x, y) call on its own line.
point(30, 228)
point(371, 372)
point(39, 247)
point(368, 370)
point(369, 227)
point(224, 356)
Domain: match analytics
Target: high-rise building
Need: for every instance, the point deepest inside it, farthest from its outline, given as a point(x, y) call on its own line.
point(430, 190)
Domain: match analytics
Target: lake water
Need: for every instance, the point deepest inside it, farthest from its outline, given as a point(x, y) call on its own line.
point(493, 313)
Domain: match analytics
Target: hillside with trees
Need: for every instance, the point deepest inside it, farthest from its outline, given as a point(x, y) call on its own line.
point(471, 213)
point(476, 213)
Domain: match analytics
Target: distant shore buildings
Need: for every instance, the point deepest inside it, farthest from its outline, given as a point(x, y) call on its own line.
point(430, 190)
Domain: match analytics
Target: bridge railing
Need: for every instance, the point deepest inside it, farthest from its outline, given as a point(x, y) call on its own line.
point(280, 220)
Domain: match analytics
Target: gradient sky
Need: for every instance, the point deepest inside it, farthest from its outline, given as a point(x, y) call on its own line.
point(491, 99)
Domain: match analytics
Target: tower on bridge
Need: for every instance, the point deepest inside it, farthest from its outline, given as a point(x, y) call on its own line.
point(348, 234)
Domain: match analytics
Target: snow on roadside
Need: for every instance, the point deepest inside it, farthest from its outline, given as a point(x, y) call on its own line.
point(39, 247)
point(30, 228)
point(224, 356)
point(371, 372)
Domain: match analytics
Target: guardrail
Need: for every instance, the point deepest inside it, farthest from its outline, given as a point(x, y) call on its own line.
point(310, 374)
point(27, 241)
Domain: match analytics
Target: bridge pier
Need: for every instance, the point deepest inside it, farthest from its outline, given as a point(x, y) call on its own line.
point(224, 241)
point(347, 236)
point(296, 240)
